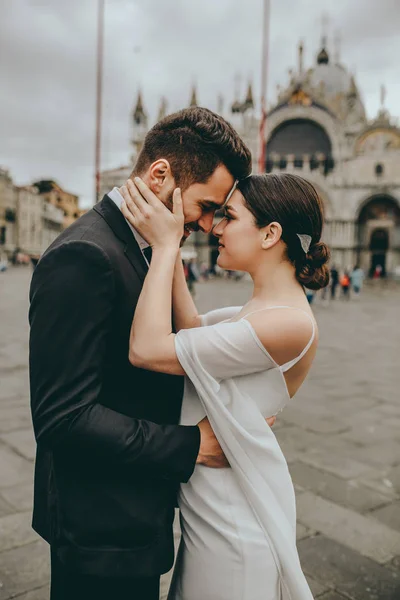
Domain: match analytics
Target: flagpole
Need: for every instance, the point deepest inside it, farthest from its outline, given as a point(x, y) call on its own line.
point(264, 81)
point(99, 89)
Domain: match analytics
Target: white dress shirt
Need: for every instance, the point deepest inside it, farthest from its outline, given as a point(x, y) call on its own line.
point(117, 199)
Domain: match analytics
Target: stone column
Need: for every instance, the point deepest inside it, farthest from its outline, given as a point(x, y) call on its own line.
point(321, 158)
point(274, 156)
point(306, 163)
point(290, 162)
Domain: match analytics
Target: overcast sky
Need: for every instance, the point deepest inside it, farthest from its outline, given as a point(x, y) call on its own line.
point(47, 68)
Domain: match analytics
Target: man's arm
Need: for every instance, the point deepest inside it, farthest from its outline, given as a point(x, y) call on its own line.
point(72, 295)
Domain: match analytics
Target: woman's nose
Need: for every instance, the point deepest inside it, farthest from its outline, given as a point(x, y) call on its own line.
point(219, 228)
point(216, 230)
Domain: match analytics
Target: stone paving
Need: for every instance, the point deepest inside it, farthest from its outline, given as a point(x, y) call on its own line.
point(341, 437)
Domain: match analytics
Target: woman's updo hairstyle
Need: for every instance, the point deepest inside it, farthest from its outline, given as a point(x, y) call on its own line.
point(295, 204)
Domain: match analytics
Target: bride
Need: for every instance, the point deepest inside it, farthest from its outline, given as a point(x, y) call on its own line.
point(241, 364)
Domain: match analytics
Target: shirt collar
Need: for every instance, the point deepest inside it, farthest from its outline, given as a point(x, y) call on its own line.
point(116, 197)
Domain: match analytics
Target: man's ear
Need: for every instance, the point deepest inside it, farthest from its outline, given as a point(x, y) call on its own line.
point(160, 176)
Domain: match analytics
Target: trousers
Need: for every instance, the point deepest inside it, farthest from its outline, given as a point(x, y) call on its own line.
point(70, 585)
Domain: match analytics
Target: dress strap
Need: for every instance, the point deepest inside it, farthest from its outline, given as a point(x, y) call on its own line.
point(294, 361)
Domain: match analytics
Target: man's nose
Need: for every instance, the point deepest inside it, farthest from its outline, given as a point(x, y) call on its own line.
point(206, 223)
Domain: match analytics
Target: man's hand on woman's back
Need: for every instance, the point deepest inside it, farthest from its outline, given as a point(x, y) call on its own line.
point(210, 452)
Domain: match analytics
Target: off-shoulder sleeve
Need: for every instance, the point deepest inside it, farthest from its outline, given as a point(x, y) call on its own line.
point(223, 351)
point(220, 314)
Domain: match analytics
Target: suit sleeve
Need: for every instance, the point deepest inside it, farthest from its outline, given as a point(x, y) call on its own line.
point(72, 295)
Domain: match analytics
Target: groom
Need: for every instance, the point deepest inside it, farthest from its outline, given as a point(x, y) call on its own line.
point(110, 452)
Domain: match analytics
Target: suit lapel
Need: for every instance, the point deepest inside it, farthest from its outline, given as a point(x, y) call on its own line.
point(135, 257)
point(115, 219)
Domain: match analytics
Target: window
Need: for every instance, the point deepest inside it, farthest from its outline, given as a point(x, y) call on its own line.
point(10, 215)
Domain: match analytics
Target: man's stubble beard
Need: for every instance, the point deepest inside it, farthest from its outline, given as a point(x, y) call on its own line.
point(169, 203)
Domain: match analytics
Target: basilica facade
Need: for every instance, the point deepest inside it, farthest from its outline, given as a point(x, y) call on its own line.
point(317, 128)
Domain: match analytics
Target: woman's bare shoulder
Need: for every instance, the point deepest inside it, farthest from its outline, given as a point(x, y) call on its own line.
point(283, 332)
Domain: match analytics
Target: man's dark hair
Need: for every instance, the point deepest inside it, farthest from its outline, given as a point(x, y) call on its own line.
point(195, 141)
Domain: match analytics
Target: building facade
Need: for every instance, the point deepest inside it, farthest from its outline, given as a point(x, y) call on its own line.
point(53, 220)
point(318, 128)
point(54, 194)
point(31, 220)
point(114, 178)
point(8, 213)
point(38, 221)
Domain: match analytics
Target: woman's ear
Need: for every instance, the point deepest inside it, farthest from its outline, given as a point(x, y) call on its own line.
point(272, 233)
point(160, 177)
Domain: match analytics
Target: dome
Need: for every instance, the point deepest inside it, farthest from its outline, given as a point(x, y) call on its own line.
point(335, 79)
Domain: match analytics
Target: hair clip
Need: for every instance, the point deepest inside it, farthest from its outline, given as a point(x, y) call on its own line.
point(305, 241)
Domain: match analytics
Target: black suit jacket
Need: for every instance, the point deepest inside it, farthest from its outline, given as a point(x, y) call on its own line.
point(110, 454)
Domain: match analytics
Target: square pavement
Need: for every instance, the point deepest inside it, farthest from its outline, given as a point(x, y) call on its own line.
point(341, 438)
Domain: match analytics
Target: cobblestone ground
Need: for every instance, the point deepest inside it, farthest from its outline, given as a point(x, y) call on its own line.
point(341, 437)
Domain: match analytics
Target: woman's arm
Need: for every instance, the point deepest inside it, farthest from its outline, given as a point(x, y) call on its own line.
point(151, 344)
point(184, 309)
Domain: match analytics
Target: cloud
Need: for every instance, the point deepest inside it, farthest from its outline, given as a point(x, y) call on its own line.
point(48, 68)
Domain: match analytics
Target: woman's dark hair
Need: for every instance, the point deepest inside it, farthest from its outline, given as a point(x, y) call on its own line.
point(294, 203)
point(195, 141)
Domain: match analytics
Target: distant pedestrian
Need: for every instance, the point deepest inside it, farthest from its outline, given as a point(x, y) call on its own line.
point(357, 279)
point(334, 281)
point(378, 272)
point(34, 261)
point(345, 285)
point(204, 272)
point(310, 296)
point(193, 275)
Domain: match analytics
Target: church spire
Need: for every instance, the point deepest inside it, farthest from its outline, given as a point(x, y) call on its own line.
point(162, 111)
point(220, 104)
point(193, 97)
point(139, 114)
point(323, 56)
point(139, 124)
point(301, 56)
point(249, 102)
point(383, 97)
point(353, 87)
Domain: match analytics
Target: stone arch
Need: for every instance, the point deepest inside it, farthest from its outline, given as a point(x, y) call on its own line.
point(370, 198)
point(300, 137)
point(378, 232)
point(311, 113)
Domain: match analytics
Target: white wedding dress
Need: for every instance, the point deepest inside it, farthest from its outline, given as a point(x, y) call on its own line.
point(238, 524)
